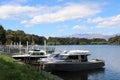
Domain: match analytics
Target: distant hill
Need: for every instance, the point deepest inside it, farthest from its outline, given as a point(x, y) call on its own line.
point(91, 36)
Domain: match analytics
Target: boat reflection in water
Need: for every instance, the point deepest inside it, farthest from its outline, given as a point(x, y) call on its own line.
point(81, 75)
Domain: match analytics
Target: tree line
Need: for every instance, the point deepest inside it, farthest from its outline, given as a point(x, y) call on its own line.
point(15, 37)
point(9, 36)
point(74, 41)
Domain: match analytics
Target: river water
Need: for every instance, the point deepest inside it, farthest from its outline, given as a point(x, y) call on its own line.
point(109, 53)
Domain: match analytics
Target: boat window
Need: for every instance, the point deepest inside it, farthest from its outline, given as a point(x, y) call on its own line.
point(83, 58)
point(34, 53)
point(72, 57)
point(61, 57)
point(41, 53)
point(29, 53)
point(54, 55)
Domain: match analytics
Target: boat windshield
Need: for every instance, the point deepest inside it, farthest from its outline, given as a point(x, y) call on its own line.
point(29, 52)
point(61, 57)
point(54, 55)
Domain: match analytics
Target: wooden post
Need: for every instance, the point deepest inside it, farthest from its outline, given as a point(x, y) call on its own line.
point(27, 47)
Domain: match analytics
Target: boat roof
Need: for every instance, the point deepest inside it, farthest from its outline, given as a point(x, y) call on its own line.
point(77, 52)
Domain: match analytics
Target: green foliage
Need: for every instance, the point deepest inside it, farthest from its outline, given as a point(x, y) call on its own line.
point(21, 36)
point(96, 43)
point(2, 35)
point(83, 43)
point(53, 43)
point(98, 40)
point(12, 70)
point(74, 41)
point(114, 40)
point(10, 36)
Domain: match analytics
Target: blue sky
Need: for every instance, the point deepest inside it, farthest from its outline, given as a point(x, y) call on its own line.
point(61, 17)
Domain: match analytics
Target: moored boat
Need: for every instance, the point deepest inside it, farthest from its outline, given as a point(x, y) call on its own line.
point(31, 55)
point(73, 60)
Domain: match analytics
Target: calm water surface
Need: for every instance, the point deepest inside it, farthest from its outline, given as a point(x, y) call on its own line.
point(109, 53)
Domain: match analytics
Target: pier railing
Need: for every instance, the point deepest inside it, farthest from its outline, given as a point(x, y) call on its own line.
point(12, 50)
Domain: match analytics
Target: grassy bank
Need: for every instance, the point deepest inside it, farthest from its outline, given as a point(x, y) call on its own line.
point(12, 70)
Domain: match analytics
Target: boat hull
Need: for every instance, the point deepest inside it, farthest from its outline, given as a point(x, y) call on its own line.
point(72, 66)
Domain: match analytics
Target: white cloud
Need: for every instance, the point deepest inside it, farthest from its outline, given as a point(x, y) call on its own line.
point(78, 27)
point(69, 12)
point(31, 15)
point(96, 20)
point(110, 22)
point(11, 12)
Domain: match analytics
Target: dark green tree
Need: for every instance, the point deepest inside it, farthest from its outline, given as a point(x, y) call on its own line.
point(21, 36)
point(2, 35)
point(74, 41)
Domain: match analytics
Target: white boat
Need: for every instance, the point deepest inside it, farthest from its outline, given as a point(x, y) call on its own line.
point(73, 60)
point(31, 55)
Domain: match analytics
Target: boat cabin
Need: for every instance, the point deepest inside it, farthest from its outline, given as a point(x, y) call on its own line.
point(74, 56)
point(37, 52)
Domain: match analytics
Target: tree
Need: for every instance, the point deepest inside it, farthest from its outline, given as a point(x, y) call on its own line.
point(9, 36)
point(2, 35)
point(114, 40)
point(21, 36)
